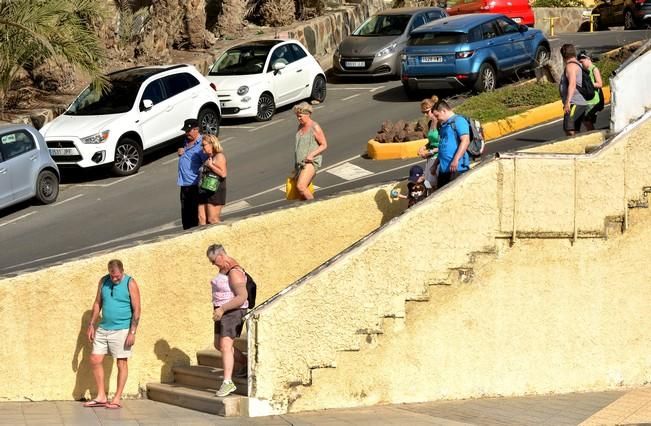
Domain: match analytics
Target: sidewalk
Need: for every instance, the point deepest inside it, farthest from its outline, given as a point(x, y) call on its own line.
point(587, 409)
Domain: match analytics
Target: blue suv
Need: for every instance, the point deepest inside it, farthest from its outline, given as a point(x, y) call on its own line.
point(469, 51)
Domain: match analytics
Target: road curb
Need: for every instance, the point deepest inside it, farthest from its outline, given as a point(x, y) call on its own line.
point(492, 130)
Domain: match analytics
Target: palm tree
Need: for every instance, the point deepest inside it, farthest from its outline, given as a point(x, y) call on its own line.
point(33, 31)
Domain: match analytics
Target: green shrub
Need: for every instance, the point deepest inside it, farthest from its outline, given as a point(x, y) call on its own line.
point(559, 3)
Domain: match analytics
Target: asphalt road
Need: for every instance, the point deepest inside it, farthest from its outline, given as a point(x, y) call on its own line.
point(96, 212)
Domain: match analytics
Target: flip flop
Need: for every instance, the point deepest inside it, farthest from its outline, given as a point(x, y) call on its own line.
point(94, 403)
point(112, 406)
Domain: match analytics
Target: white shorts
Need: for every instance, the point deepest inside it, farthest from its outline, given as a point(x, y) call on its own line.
point(111, 342)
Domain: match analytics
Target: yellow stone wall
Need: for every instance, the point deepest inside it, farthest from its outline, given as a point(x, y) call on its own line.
point(43, 314)
point(543, 316)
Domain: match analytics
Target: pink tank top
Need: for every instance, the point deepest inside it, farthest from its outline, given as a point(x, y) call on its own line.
point(221, 291)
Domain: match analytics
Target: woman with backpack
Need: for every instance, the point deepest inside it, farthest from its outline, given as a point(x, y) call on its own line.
point(430, 150)
point(595, 104)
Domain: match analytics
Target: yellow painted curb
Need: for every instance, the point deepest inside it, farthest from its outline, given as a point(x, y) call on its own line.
point(492, 130)
point(393, 151)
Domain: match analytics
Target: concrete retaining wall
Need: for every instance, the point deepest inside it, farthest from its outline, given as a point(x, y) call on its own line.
point(437, 305)
point(44, 314)
point(631, 89)
point(569, 19)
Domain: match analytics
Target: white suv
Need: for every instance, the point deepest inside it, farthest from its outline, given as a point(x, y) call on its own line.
point(141, 108)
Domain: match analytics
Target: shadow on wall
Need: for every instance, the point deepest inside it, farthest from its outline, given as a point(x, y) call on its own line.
point(84, 382)
point(386, 205)
point(171, 357)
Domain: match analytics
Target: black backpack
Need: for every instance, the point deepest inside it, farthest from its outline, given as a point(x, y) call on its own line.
point(477, 141)
point(586, 89)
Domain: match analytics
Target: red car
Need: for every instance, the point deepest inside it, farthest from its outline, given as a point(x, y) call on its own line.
point(518, 10)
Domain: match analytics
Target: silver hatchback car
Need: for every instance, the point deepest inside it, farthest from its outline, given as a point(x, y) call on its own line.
point(374, 48)
point(26, 168)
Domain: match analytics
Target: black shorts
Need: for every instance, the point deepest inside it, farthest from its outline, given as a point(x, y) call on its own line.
point(217, 198)
point(231, 323)
point(591, 115)
point(572, 120)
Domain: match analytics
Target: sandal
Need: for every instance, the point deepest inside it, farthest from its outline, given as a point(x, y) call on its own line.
point(94, 403)
point(112, 406)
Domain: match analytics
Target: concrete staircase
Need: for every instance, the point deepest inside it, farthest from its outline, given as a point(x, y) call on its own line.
point(194, 386)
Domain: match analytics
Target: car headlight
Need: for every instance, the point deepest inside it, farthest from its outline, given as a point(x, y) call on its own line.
point(242, 90)
point(387, 50)
point(98, 138)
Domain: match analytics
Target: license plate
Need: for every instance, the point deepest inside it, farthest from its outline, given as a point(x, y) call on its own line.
point(62, 151)
point(355, 64)
point(518, 20)
point(431, 59)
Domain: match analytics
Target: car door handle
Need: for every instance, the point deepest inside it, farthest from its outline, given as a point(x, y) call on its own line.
point(3, 171)
point(169, 108)
point(299, 70)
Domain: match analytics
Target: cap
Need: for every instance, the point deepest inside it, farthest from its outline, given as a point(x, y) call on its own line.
point(414, 173)
point(583, 55)
point(189, 124)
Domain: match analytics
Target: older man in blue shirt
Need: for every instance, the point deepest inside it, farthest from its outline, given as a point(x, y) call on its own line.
point(191, 157)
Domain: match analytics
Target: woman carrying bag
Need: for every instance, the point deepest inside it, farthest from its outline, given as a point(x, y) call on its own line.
point(212, 182)
point(310, 144)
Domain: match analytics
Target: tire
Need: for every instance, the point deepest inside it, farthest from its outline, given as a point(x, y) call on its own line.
point(266, 107)
point(47, 187)
point(209, 121)
point(487, 79)
point(542, 56)
point(128, 157)
point(319, 90)
point(629, 20)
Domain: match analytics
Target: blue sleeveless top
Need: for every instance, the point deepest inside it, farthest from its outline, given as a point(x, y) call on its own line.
point(116, 304)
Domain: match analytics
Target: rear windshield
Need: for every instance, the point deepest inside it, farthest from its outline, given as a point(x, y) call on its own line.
point(383, 25)
point(437, 39)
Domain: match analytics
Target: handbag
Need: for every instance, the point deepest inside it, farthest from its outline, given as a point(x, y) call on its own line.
point(291, 193)
point(209, 182)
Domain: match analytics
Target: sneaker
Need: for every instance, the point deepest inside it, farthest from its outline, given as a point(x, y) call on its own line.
point(242, 373)
point(226, 388)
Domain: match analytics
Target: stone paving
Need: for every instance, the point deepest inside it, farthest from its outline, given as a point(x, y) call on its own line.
point(586, 409)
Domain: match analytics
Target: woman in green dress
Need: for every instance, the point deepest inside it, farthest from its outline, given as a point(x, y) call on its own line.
point(310, 144)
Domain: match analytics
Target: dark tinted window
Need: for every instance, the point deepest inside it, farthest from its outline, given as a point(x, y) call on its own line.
point(298, 52)
point(475, 34)
point(438, 38)
point(383, 25)
point(154, 92)
point(15, 143)
point(507, 26)
point(418, 21)
point(489, 30)
point(175, 84)
point(431, 16)
point(241, 60)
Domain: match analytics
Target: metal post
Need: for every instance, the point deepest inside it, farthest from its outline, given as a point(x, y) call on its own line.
point(592, 16)
point(551, 20)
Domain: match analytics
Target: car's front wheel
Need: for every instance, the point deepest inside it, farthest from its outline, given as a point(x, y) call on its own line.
point(629, 20)
point(319, 89)
point(128, 157)
point(266, 107)
point(47, 187)
point(487, 80)
point(209, 121)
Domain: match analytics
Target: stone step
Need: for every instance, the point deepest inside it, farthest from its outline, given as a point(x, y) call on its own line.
point(211, 358)
point(207, 378)
point(196, 399)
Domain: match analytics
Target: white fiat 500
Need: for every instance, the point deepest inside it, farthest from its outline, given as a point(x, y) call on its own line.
point(142, 108)
point(255, 78)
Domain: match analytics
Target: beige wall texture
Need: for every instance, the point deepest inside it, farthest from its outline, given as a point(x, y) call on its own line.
point(436, 305)
point(44, 314)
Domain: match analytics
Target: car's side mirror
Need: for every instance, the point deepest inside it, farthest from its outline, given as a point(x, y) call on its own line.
point(147, 104)
point(278, 66)
point(523, 28)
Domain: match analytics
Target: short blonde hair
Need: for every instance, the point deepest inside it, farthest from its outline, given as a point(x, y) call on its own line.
point(214, 142)
point(426, 105)
point(303, 108)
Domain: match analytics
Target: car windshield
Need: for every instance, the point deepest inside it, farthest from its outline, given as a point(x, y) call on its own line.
point(383, 25)
point(118, 97)
point(241, 60)
point(437, 39)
